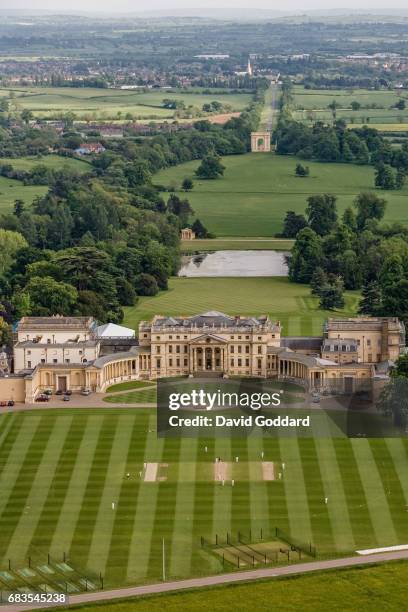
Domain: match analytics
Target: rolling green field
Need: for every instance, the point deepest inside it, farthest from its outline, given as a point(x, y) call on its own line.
point(257, 189)
point(60, 470)
point(53, 162)
point(107, 103)
point(312, 105)
point(11, 190)
point(287, 302)
point(346, 590)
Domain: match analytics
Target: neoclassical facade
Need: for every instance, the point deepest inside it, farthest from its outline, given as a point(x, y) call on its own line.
point(66, 353)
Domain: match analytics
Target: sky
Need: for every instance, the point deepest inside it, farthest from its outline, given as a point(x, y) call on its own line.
point(168, 5)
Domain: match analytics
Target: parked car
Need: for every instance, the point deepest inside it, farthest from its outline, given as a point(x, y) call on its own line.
point(42, 398)
point(68, 392)
point(58, 392)
point(10, 403)
point(66, 398)
point(3, 403)
point(315, 398)
point(86, 392)
point(48, 392)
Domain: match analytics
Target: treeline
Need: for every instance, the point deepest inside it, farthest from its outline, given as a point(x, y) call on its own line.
point(336, 143)
point(352, 252)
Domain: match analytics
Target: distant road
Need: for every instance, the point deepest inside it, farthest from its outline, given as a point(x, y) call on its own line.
point(272, 108)
point(222, 579)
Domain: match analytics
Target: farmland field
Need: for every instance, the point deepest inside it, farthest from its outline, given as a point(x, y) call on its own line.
point(107, 103)
point(312, 105)
point(61, 470)
point(257, 189)
point(287, 302)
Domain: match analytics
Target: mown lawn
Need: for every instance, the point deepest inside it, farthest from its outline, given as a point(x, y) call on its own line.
point(61, 470)
point(287, 302)
point(363, 588)
point(148, 396)
point(257, 189)
point(128, 386)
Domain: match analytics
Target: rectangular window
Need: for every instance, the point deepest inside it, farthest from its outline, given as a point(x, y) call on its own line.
point(28, 364)
point(232, 349)
point(170, 348)
point(247, 348)
point(239, 348)
point(368, 342)
point(185, 348)
point(239, 362)
point(247, 362)
point(170, 362)
point(177, 348)
point(259, 350)
point(158, 349)
point(370, 357)
point(178, 363)
point(186, 362)
point(42, 360)
point(259, 364)
point(158, 364)
point(232, 363)
point(55, 361)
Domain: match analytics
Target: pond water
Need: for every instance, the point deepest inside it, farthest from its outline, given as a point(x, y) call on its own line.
point(234, 263)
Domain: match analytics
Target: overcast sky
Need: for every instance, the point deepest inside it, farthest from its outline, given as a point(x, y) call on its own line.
point(137, 5)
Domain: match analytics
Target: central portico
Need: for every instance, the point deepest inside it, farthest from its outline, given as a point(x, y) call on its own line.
point(209, 342)
point(208, 353)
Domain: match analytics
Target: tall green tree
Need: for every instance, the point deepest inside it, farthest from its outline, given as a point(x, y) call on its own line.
point(321, 212)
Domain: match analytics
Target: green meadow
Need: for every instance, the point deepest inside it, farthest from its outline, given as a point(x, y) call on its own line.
point(54, 162)
point(60, 471)
point(287, 302)
point(11, 190)
point(257, 189)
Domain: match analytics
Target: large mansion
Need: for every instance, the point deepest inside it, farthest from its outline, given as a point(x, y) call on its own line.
point(73, 353)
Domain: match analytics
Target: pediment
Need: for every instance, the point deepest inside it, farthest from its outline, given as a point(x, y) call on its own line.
point(208, 339)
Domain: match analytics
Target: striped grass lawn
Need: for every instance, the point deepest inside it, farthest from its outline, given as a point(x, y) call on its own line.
point(61, 470)
point(290, 303)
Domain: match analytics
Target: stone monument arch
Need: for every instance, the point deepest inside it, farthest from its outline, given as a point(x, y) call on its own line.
point(260, 142)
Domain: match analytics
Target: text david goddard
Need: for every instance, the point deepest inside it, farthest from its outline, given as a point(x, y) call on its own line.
point(258, 420)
